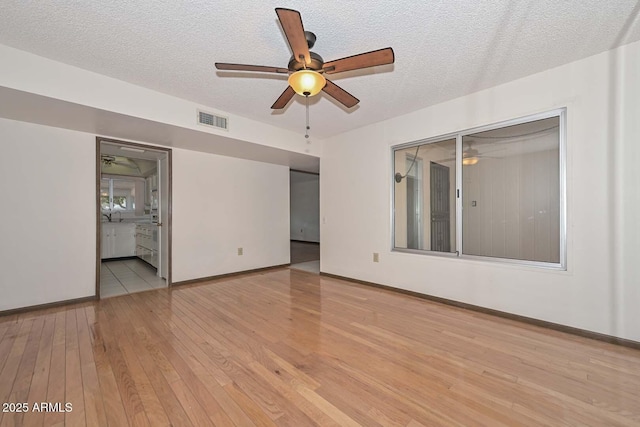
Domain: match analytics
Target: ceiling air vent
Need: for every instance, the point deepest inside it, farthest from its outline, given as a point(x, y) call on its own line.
point(212, 120)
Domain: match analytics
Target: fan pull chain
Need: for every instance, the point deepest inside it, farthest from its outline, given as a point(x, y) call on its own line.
point(306, 134)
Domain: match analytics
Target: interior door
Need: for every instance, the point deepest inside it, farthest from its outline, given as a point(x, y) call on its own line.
point(163, 217)
point(440, 211)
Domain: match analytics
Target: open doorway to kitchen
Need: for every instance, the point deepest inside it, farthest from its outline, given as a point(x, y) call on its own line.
point(133, 216)
point(304, 204)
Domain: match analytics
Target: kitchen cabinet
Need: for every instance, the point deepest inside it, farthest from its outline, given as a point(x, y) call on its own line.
point(146, 242)
point(118, 240)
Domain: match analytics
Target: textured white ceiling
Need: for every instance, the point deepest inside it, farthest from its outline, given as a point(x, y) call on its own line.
point(443, 49)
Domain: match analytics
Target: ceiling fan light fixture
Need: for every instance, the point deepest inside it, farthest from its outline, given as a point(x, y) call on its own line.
point(469, 161)
point(307, 82)
point(470, 156)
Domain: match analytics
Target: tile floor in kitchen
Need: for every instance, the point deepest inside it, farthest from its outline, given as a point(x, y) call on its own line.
point(128, 276)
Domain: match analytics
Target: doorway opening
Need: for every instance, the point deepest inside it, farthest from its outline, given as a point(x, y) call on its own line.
point(414, 177)
point(304, 205)
point(133, 217)
point(440, 208)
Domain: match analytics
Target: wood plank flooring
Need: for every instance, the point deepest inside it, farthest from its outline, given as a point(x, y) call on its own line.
point(288, 348)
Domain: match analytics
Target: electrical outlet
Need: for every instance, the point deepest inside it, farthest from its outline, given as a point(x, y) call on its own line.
point(239, 251)
point(376, 257)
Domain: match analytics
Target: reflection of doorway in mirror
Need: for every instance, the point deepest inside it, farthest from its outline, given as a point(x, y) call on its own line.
point(414, 203)
point(440, 208)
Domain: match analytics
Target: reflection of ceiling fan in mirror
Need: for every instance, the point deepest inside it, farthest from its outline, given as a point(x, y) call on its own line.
point(471, 156)
point(307, 69)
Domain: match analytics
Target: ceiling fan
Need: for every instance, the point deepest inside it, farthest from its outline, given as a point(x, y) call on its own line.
point(471, 156)
point(119, 161)
point(306, 69)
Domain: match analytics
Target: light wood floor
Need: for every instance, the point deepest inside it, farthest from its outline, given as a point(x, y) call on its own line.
point(290, 348)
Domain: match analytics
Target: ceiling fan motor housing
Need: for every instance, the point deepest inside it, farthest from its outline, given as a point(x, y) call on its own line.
point(308, 78)
point(311, 38)
point(316, 63)
point(107, 160)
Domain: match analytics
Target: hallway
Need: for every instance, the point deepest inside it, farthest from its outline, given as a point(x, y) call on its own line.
point(305, 256)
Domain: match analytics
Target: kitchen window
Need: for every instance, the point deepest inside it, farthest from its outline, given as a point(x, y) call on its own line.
point(496, 193)
point(119, 194)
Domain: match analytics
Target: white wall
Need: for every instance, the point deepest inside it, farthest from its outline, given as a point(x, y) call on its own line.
point(47, 224)
point(305, 206)
point(221, 204)
point(599, 291)
point(31, 73)
point(626, 188)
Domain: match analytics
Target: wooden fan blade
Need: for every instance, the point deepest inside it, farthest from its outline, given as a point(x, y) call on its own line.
point(291, 22)
point(244, 67)
point(284, 99)
point(339, 94)
point(363, 60)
